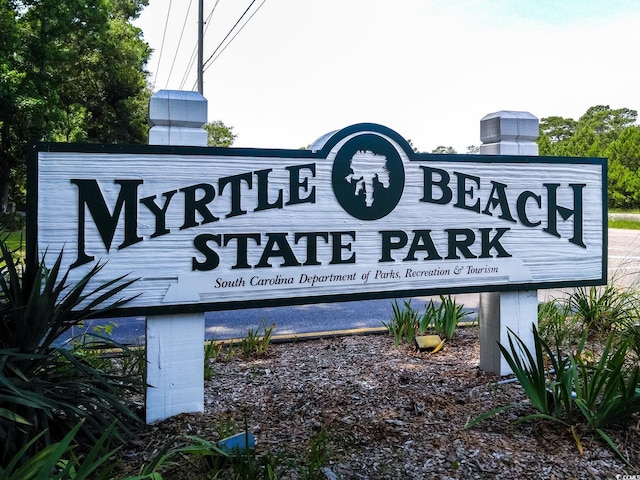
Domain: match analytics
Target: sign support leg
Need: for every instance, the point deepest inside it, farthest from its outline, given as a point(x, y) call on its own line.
point(506, 133)
point(175, 343)
point(501, 313)
point(175, 365)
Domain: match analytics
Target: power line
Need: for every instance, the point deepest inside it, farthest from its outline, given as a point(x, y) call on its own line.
point(230, 31)
point(164, 34)
point(221, 46)
point(175, 56)
point(192, 58)
point(232, 38)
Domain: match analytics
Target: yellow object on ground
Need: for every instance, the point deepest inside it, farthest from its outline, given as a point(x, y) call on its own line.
point(429, 342)
point(438, 347)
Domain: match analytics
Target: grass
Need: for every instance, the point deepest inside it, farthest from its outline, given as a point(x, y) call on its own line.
point(624, 224)
point(15, 240)
point(622, 210)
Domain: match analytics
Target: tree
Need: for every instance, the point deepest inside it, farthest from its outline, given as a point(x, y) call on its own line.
point(218, 134)
point(70, 70)
point(14, 103)
point(413, 147)
point(554, 133)
point(443, 149)
point(624, 169)
point(604, 121)
point(590, 136)
point(473, 149)
point(600, 132)
point(598, 128)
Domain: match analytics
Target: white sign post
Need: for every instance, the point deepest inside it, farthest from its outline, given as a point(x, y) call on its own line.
point(358, 216)
point(175, 342)
point(506, 133)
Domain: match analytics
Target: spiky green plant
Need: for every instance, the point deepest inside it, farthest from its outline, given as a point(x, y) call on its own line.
point(428, 318)
point(448, 316)
point(255, 343)
point(607, 391)
point(557, 324)
point(404, 323)
point(60, 461)
point(530, 368)
point(407, 322)
point(45, 388)
point(574, 387)
point(602, 309)
point(630, 332)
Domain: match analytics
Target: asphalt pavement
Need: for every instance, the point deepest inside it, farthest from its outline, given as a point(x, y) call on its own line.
point(299, 320)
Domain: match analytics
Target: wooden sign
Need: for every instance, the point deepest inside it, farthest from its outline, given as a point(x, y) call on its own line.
point(358, 216)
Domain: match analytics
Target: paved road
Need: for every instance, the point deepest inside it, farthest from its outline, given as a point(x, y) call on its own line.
point(302, 319)
point(624, 256)
point(624, 268)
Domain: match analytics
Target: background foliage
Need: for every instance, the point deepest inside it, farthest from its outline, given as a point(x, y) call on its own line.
point(70, 70)
point(600, 132)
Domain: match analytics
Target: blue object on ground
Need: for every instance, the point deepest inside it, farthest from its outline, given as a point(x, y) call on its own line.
point(237, 443)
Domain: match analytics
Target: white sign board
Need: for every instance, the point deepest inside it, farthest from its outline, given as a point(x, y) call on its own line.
point(360, 216)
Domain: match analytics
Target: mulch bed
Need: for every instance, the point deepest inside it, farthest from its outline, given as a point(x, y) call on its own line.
point(389, 413)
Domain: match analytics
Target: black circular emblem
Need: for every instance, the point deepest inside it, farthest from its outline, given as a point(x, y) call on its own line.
point(368, 177)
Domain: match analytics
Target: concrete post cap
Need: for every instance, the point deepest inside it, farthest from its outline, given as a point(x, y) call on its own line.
point(508, 125)
point(178, 108)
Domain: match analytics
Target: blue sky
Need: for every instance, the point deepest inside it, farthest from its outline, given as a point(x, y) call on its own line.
point(429, 69)
point(562, 12)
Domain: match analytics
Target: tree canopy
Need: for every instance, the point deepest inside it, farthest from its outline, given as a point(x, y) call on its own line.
point(218, 134)
point(70, 70)
point(600, 132)
point(443, 149)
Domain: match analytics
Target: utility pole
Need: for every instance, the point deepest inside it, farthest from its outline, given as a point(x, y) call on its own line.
point(200, 46)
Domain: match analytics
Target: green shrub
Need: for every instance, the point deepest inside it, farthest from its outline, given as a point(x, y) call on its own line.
point(318, 455)
point(12, 222)
point(630, 331)
point(404, 323)
point(447, 317)
point(607, 391)
point(60, 461)
point(211, 352)
point(206, 459)
point(557, 325)
point(428, 318)
point(531, 370)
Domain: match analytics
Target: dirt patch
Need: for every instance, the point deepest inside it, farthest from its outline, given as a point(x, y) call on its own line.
point(390, 413)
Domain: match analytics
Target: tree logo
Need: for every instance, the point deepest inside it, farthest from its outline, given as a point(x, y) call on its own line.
point(368, 177)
